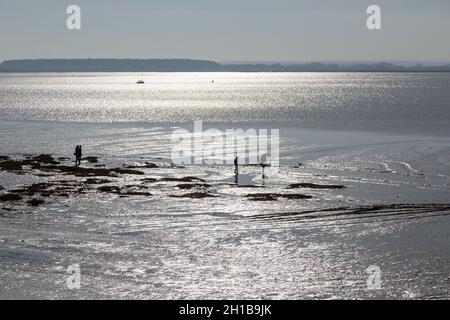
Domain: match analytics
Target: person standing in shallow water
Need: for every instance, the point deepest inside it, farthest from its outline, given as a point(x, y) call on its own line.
point(263, 165)
point(236, 170)
point(78, 154)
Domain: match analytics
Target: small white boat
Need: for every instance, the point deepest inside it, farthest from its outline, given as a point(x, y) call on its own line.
point(141, 81)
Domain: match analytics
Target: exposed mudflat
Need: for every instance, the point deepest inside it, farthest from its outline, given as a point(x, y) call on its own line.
point(143, 228)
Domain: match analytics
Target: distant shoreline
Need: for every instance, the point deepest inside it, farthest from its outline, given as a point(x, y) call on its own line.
point(188, 65)
point(68, 72)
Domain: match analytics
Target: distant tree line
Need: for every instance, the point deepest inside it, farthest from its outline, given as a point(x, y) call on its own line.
point(188, 65)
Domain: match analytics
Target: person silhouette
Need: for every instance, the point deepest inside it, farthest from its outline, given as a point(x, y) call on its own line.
point(263, 165)
point(75, 154)
point(236, 170)
point(78, 154)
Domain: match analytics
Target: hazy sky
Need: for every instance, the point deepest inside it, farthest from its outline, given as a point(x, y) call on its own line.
point(231, 30)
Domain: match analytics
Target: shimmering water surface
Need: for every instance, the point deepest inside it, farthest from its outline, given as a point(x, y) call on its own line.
point(383, 136)
point(357, 100)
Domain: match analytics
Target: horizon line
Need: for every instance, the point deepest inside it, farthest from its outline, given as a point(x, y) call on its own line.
point(243, 62)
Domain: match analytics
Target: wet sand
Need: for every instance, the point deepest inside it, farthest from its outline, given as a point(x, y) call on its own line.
point(141, 228)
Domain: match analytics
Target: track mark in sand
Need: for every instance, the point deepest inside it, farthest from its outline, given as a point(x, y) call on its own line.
point(406, 167)
point(359, 213)
point(381, 167)
point(394, 167)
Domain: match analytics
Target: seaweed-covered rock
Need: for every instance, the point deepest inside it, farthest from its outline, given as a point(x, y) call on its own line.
point(35, 202)
point(189, 186)
point(90, 159)
point(314, 186)
point(97, 181)
point(80, 171)
point(10, 197)
point(109, 189)
point(184, 179)
point(135, 193)
point(44, 158)
point(195, 195)
point(11, 165)
point(276, 196)
point(127, 171)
